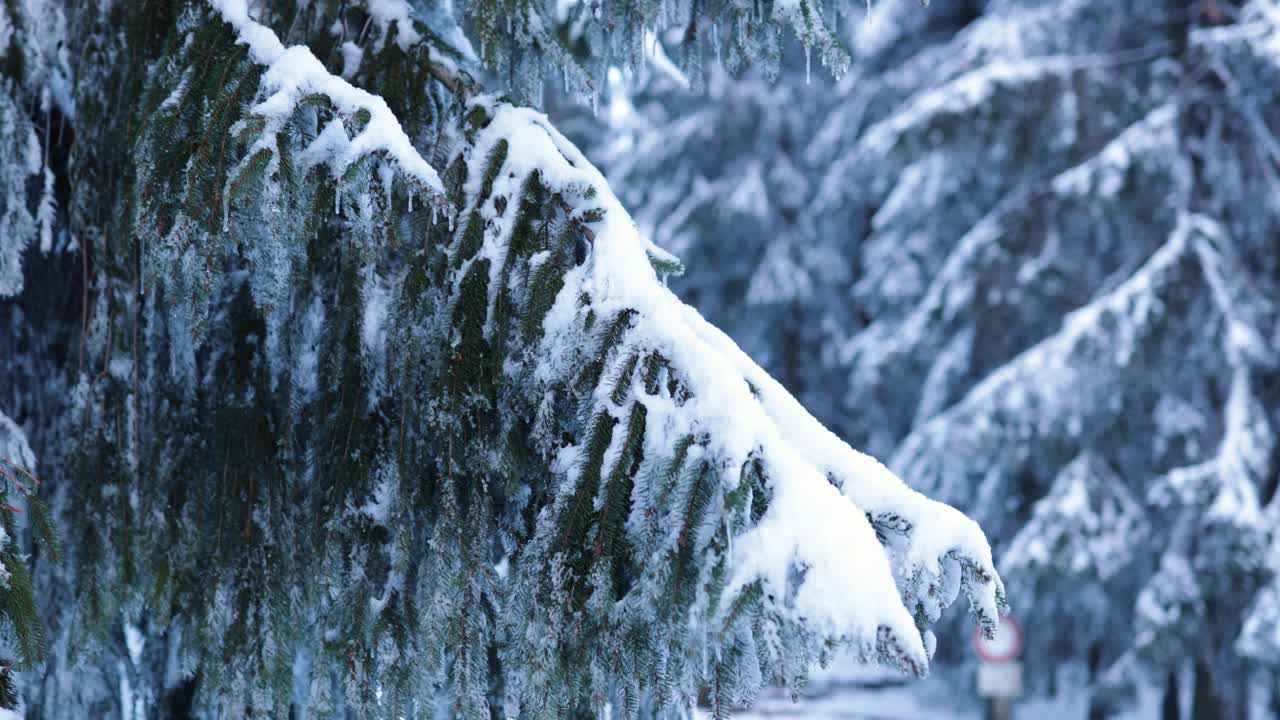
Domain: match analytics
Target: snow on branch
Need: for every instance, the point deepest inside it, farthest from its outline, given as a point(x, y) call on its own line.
point(828, 503)
point(18, 226)
point(1074, 384)
point(294, 72)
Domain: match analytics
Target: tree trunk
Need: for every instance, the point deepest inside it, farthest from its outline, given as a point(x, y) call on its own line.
point(1169, 705)
point(1203, 704)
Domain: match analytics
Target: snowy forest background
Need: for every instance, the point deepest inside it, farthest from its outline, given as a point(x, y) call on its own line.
point(1028, 253)
point(1025, 252)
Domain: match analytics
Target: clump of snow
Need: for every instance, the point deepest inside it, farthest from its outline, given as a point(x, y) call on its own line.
point(1085, 526)
point(964, 95)
point(1105, 174)
point(295, 72)
point(135, 641)
point(352, 57)
point(386, 12)
point(13, 444)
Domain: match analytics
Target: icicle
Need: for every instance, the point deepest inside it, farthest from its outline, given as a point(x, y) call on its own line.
point(337, 202)
point(715, 40)
point(411, 203)
point(728, 530)
point(806, 64)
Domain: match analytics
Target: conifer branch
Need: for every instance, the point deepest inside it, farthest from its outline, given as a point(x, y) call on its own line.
point(294, 72)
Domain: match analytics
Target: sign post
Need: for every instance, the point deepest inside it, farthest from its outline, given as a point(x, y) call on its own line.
point(1000, 674)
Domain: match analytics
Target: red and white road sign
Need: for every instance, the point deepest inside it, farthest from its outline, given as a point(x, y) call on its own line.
point(1004, 646)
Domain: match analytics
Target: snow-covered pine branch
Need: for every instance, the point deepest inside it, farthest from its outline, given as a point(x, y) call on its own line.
point(669, 380)
point(21, 512)
point(292, 74)
point(30, 40)
point(21, 149)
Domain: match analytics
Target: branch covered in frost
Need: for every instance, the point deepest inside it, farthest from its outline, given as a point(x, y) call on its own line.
point(21, 149)
point(18, 608)
point(533, 41)
point(1055, 389)
point(811, 557)
point(293, 73)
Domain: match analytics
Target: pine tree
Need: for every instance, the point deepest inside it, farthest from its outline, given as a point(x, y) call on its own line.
point(1036, 242)
point(369, 400)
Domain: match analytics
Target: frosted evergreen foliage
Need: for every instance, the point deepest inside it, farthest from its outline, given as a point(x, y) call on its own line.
point(1026, 251)
point(38, 73)
point(367, 398)
point(23, 645)
point(17, 225)
point(1081, 533)
point(573, 43)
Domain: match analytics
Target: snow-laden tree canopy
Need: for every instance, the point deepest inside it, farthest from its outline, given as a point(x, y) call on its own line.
point(362, 394)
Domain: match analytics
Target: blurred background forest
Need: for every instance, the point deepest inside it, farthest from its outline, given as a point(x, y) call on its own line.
point(1029, 253)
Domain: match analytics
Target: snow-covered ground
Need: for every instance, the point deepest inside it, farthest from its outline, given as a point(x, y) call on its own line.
point(848, 691)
